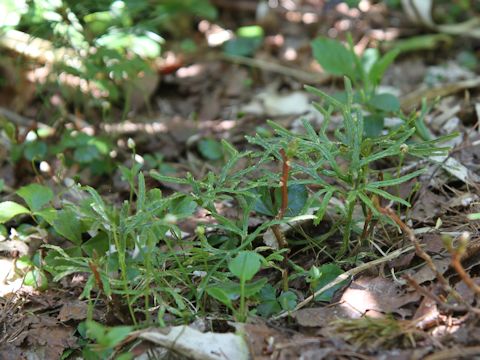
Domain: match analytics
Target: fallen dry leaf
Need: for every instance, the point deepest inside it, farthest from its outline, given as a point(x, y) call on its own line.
point(375, 297)
point(73, 310)
point(425, 274)
point(319, 316)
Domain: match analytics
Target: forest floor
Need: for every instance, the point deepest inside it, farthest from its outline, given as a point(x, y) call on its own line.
point(412, 293)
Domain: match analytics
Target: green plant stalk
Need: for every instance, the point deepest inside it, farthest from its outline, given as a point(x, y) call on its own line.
point(123, 270)
point(242, 311)
point(399, 168)
point(348, 229)
point(148, 280)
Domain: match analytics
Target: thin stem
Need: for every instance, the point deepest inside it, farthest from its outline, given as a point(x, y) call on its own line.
point(347, 230)
point(123, 269)
point(243, 315)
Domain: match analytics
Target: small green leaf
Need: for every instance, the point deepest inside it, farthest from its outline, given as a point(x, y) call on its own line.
point(327, 274)
point(10, 209)
point(35, 195)
point(48, 214)
point(183, 207)
point(245, 265)
point(253, 288)
point(68, 225)
point(385, 102)
point(268, 301)
point(220, 294)
point(335, 58)
point(35, 150)
point(97, 244)
point(86, 154)
point(268, 307)
point(107, 337)
point(37, 279)
point(297, 197)
point(373, 125)
point(210, 149)
point(288, 300)
point(264, 204)
point(268, 292)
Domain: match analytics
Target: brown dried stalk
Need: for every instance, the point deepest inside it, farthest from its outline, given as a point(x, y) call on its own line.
point(428, 260)
point(457, 255)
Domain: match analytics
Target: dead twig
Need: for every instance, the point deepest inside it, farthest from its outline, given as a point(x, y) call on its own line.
point(411, 281)
point(345, 276)
point(457, 255)
point(305, 77)
point(454, 353)
point(17, 119)
point(428, 260)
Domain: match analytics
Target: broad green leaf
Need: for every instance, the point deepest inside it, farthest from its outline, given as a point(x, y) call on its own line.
point(264, 204)
point(385, 102)
point(107, 337)
point(10, 209)
point(373, 125)
point(116, 334)
point(288, 300)
point(97, 244)
point(268, 307)
point(35, 150)
point(268, 301)
point(48, 214)
point(268, 292)
point(220, 294)
point(248, 41)
point(183, 206)
point(232, 289)
point(297, 197)
point(327, 274)
point(335, 58)
point(86, 154)
point(253, 288)
point(245, 265)
point(35, 195)
point(68, 225)
point(37, 279)
point(210, 149)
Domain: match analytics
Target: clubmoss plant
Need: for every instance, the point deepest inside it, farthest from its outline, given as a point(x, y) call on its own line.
point(344, 165)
